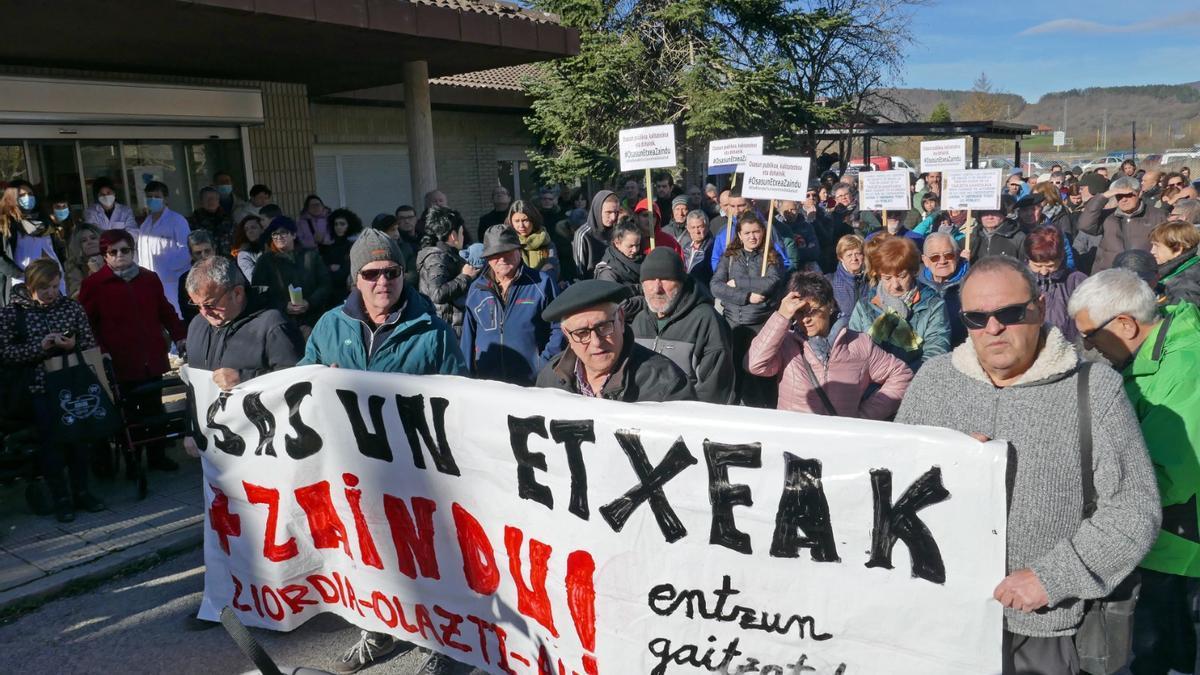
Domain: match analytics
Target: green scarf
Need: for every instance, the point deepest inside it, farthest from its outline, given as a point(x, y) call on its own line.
point(535, 248)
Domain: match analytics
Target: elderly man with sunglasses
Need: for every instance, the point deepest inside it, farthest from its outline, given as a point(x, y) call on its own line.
point(1018, 381)
point(384, 326)
point(604, 361)
point(1122, 220)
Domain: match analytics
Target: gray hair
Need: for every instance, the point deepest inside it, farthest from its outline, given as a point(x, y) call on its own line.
point(940, 235)
point(1187, 209)
point(697, 214)
point(1112, 292)
point(199, 237)
point(843, 186)
point(1126, 183)
point(1001, 263)
point(218, 271)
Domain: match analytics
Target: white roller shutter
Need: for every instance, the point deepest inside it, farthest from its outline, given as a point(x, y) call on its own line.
point(367, 180)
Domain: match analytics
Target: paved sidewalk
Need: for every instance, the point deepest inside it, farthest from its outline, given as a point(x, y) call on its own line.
point(41, 558)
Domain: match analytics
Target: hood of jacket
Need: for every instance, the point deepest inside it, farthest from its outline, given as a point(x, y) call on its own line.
point(955, 280)
point(595, 218)
point(691, 295)
point(1008, 229)
point(1182, 326)
point(628, 269)
point(1056, 359)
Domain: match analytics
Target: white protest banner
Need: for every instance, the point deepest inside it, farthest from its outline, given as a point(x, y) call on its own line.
point(532, 531)
point(724, 156)
point(647, 147)
point(884, 190)
point(775, 177)
point(973, 189)
point(945, 155)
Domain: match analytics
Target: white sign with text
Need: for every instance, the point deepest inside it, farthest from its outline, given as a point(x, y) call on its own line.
point(725, 156)
point(946, 155)
point(884, 190)
point(776, 177)
point(971, 189)
point(648, 147)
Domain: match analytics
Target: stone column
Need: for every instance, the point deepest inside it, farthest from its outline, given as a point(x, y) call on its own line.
point(419, 126)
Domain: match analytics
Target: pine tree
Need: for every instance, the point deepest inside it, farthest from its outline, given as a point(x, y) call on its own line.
point(940, 114)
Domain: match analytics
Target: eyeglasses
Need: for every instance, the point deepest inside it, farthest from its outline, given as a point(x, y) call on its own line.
point(1127, 195)
point(114, 252)
point(210, 306)
point(941, 257)
point(1092, 333)
point(1006, 316)
point(603, 329)
point(389, 273)
point(280, 234)
point(1173, 184)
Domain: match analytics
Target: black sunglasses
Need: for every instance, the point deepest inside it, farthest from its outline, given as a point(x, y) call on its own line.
point(1007, 316)
point(390, 273)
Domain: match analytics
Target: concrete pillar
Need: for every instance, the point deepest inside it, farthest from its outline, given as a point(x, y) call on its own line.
point(418, 115)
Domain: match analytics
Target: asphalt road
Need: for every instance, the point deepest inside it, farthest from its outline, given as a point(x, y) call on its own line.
point(139, 624)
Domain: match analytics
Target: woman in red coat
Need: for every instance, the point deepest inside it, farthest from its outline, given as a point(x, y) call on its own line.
point(129, 313)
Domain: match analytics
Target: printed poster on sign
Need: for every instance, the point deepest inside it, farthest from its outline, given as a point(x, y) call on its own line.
point(726, 155)
point(533, 531)
point(948, 155)
point(775, 177)
point(884, 190)
point(647, 147)
point(974, 189)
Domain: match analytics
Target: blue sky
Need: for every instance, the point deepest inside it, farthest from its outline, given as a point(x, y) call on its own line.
point(1032, 48)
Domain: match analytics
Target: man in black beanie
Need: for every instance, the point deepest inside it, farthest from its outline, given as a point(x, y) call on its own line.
point(681, 323)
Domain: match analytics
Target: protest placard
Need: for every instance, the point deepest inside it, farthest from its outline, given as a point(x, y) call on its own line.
point(647, 147)
point(947, 155)
point(532, 531)
point(971, 189)
point(775, 177)
point(884, 190)
point(725, 155)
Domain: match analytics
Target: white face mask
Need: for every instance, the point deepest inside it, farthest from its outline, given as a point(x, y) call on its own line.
point(107, 201)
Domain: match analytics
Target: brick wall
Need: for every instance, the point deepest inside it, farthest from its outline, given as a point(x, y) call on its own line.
point(466, 144)
point(280, 150)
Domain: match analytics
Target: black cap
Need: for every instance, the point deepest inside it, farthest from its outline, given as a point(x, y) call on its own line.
point(500, 239)
point(1140, 262)
point(663, 263)
point(1095, 183)
point(1031, 199)
point(583, 295)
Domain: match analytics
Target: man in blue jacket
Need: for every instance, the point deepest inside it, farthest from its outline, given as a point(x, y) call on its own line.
point(504, 336)
point(384, 326)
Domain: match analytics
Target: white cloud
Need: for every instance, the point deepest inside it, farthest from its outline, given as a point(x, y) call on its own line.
point(1082, 26)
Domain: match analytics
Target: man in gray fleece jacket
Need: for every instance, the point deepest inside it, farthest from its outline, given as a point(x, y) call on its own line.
point(1016, 380)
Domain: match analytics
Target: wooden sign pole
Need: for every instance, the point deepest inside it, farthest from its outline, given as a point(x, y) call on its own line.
point(650, 207)
point(884, 223)
point(767, 243)
point(969, 228)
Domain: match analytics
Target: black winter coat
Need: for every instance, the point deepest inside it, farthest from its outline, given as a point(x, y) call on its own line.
point(745, 269)
point(442, 282)
point(695, 338)
point(1179, 278)
point(639, 375)
point(259, 341)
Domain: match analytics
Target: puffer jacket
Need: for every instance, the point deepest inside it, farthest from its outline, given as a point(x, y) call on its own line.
point(745, 270)
point(25, 322)
point(951, 292)
point(443, 282)
point(1007, 239)
point(928, 320)
point(1179, 279)
point(1118, 231)
point(860, 379)
point(1057, 289)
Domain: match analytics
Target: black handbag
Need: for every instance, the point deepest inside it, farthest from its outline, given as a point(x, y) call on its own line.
point(1104, 638)
point(83, 409)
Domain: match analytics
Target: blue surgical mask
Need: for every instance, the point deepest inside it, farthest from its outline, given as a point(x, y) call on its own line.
point(225, 190)
point(155, 204)
point(62, 214)
point(27, 202)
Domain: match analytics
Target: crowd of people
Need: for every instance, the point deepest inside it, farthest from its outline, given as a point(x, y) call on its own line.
point(987, 323)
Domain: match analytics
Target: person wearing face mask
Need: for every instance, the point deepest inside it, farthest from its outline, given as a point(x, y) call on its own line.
point(821, 365)
point(162, 242)
point(35, 236)
point(62, 224)
point(1046, 256)
point(106, 212)
point(231, 203)
point(83, 256)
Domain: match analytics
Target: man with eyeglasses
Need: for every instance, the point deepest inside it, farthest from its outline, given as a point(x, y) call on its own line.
point(1018, 381)
point(1158, 353)
point(943, 269)
point(604, 360)
point(1123, 223)
point(384, 326)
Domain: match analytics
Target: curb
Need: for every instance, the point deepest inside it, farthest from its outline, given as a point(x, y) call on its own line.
point(27, 597)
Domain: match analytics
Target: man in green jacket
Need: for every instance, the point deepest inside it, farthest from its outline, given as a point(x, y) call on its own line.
point(1158, 354)
point(385, 326)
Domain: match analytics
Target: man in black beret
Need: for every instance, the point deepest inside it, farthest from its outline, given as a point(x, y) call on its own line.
point(681, 323)
point(604, 361)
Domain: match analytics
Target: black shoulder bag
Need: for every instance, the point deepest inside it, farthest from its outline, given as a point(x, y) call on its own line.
point(812, 378)
point(1105, 636)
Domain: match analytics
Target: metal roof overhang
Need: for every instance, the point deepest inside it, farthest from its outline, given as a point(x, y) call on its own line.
point(329, 45)
point(987, 129)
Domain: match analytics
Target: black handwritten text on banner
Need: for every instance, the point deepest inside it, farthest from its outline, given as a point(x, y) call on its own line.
point(528, 531)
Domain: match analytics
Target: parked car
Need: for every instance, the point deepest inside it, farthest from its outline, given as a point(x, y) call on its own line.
point(1152, 160)
point(1110, 163)
point(995, 163)
point(1180, 156)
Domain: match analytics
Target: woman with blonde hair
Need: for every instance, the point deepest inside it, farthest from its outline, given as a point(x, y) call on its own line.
point(83, 256)
point(10, 229)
